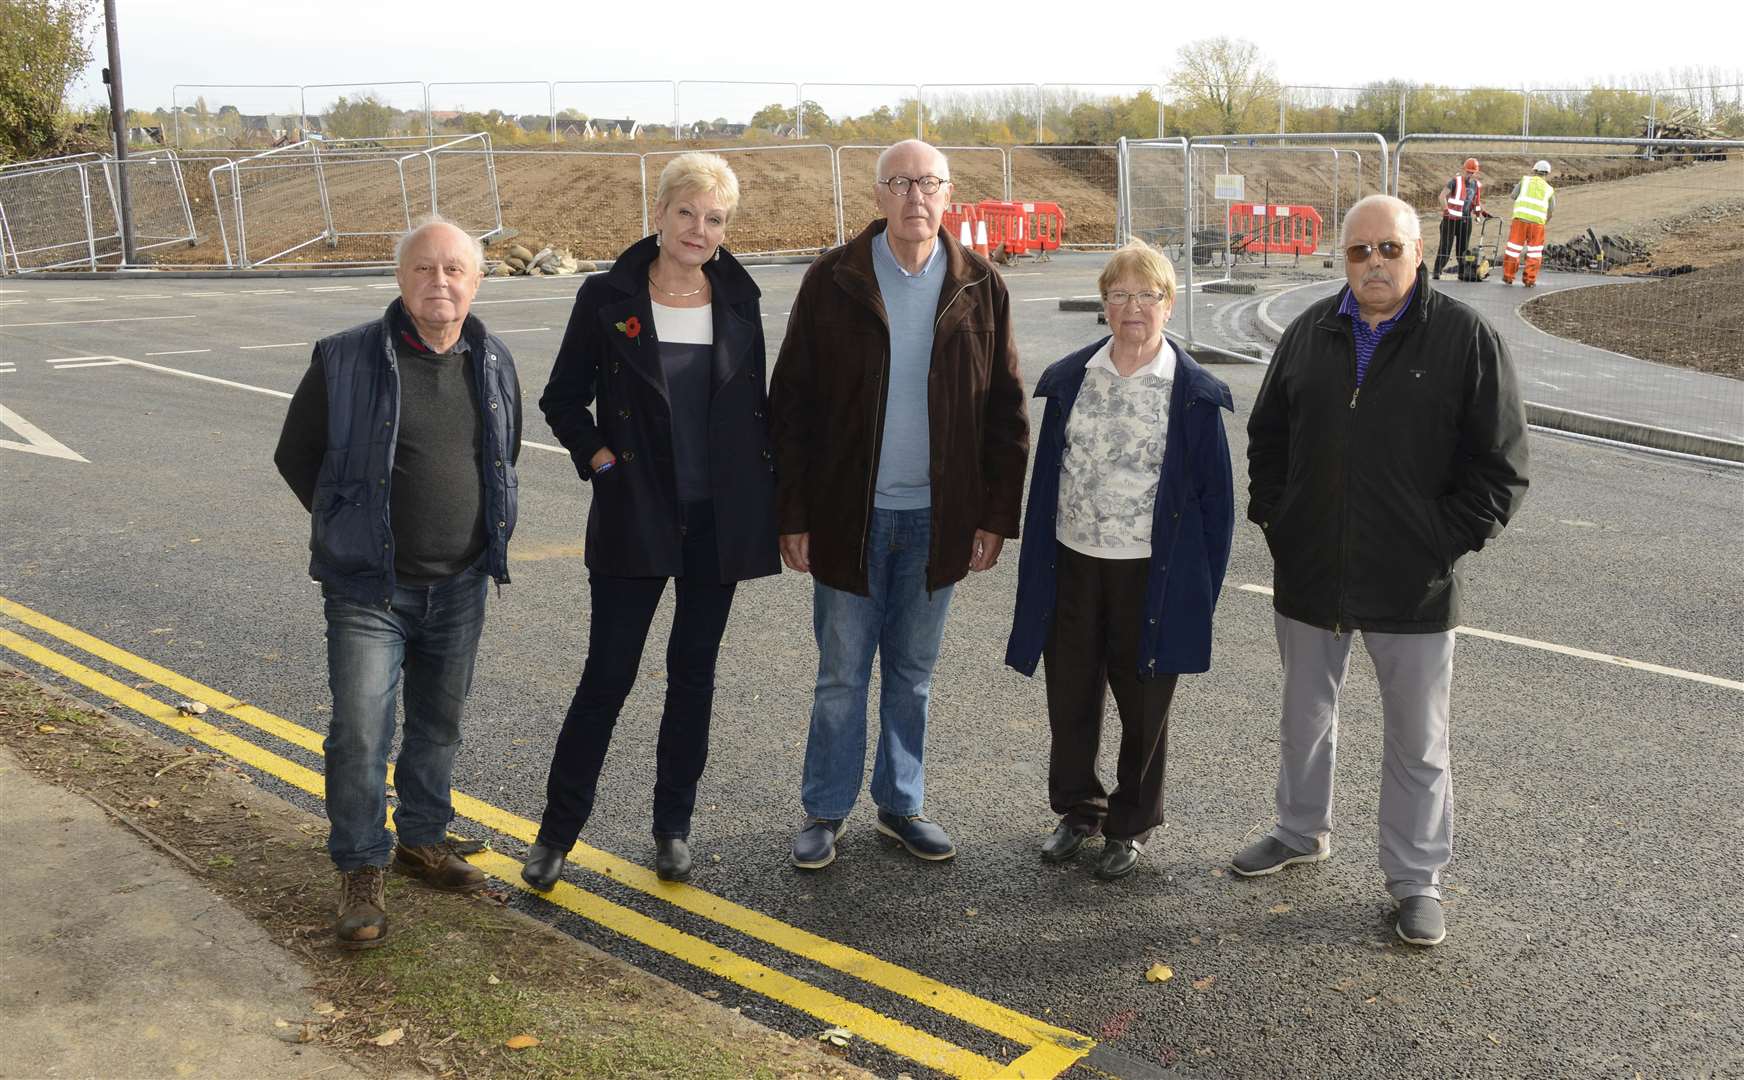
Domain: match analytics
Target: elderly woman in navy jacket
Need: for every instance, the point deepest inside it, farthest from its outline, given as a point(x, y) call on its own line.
point(667, 349)
point(1131, 510)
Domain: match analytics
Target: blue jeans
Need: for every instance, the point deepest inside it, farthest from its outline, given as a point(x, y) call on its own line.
point(431, 634)
point(903, 625)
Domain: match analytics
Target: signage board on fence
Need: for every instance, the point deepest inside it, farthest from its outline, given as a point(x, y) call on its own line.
point(1230, 186)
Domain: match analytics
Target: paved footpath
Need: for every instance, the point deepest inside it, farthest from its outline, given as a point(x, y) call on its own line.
point(120, 963)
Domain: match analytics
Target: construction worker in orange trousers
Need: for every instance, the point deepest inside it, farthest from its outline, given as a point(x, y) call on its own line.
point(1534, 202)
point(1462, 200)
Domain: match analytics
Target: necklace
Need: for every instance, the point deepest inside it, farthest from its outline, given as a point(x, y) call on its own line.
point(678, 295)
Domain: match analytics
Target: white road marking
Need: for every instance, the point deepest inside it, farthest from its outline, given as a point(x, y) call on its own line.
point(92, 363)
point(78, 299)
point(36, 441)
point(387, 285)
point(83, 322)
point(70, 359)
point(1036, 299)
point(544, 446)
point(333, 288)
point(280, 345)
point(207, 293)
point(523, 300)
point(1567, 650)
point(145, 296)
point(522, 330)
point(1025, 273)
point(178, 352)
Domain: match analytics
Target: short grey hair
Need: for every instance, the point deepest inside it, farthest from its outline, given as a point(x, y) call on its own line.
point(890, 152)
point(431, 221)
point(1403, 212)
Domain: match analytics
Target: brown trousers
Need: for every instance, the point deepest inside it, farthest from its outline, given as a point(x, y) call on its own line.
point(1093, 648)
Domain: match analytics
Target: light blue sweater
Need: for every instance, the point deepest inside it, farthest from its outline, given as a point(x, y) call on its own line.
point(912, 303)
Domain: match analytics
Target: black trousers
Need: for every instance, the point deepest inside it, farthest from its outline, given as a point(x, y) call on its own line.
point(1093, 648)
point(622, 609)
point(1455, 235)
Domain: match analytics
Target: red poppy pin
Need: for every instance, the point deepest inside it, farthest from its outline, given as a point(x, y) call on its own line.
point(631, 327)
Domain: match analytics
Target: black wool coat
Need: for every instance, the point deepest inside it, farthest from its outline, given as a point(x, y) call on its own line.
point(607, 389)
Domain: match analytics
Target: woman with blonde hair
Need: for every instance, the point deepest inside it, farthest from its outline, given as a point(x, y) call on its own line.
point(1131, 512)
point(666, 348)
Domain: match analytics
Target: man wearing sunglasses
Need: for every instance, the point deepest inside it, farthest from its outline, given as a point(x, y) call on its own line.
point(1387, 442)
point(901, 434)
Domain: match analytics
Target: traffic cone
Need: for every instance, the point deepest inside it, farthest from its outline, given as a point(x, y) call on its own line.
point(980, 237)
point(963, 235)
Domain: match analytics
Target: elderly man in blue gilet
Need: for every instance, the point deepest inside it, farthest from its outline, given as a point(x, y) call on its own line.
point(401, 442)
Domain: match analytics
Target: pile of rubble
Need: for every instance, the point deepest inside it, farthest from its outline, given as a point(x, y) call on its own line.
point(1590, 252)
point(546, 261)
point(1684, 123)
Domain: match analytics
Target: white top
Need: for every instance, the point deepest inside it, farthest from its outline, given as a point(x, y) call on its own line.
point(685, 325)
point(1114, 457)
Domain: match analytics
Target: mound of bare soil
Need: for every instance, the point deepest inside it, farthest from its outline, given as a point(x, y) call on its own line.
point(1693, 320)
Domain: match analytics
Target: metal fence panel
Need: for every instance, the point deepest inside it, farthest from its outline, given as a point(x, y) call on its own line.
point(979, 113)
point(47, 216)
point(706, 106)
point(526, 107)
point(648, 104)
point(1083, 180)
point(861, 112)
point(1058, 119)
point(367, 110)
point(234, 114)
point(1613, 341)
point(590, 203)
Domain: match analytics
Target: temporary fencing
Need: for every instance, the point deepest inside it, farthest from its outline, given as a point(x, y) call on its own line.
point(977, 173)
point(64, 212)
point(766, 220)
point(1083, 180)
point(1655, 231)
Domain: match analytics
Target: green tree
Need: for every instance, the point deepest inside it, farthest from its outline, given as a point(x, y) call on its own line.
point(361, 117)
point(42, 51)
point(1223, 85)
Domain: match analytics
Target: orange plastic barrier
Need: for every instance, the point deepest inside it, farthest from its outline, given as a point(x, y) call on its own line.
point(956, 215)
point(1023, 227)
point(1277, 228)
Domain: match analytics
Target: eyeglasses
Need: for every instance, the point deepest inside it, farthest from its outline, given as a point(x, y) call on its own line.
point(1361, 253)
point(1119, 297)
point(899, 185)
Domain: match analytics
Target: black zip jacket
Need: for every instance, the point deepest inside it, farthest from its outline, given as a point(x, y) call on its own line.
point(1369, 497)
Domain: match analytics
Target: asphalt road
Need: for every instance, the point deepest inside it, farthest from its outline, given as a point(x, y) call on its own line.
point(1593, 895)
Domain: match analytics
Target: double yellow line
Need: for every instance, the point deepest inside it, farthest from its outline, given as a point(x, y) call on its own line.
point(1047, 1050)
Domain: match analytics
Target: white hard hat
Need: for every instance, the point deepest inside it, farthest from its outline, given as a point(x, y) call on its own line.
point(1542, 166)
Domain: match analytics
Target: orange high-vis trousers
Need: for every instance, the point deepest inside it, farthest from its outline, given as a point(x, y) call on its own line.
point(1525, 240)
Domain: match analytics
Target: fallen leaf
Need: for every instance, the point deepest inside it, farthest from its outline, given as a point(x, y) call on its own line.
point(836, 1036)
point(971, 912)
point(1194, 940)
point(323, 1008)
point(48, 729)
point(1159, 973)
point(521, 1042)
point(492, 980)
point(715, 858)
point(1217, 871)
point(191, 708)
point(1205, 983)
point(1494, 1038)
point(712, 995)
point(281, 1023)
point(389, 1037)
point(1279, 908)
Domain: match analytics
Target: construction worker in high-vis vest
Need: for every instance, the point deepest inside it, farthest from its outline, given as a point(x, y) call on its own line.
point(1534, 201)
point(1462, 199)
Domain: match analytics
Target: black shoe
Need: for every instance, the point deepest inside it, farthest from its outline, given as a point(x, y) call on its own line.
point(1065, 842)
point(671, 858)
point(1435, 276)
point(1119, 858)
point(544, 866)
point(815, 846)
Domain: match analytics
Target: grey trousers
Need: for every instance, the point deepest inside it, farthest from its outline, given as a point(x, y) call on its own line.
point(1415, 672)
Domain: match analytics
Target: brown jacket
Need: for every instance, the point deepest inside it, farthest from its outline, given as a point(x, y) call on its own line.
point(827, 397)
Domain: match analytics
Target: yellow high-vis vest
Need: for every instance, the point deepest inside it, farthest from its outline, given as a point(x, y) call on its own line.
point(1533, 203)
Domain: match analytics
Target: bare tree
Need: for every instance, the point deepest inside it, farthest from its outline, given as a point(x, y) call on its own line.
point(1223, 85)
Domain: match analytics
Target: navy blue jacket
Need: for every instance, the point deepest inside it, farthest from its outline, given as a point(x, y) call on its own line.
point(608, 389)
point(341, 465)
point(1191, 527)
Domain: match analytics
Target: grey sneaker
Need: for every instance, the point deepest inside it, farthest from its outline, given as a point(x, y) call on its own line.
point(1268, 855)
point(1420, 921)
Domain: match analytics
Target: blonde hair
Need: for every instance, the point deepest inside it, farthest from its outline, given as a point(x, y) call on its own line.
point(1141, 260)
point(699, 173)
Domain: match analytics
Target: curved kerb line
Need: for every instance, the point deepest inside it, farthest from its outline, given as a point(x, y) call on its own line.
point(1052, 1049)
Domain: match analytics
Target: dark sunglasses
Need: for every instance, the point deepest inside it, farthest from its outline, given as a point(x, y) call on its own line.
point(1361, 253)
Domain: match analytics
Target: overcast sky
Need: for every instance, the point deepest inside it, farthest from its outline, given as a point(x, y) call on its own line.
point(169, 42)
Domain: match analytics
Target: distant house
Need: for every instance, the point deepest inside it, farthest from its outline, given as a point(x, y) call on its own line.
point(656, 131)
point(272, 125)
point(599, 128)
point(444, 116)
point(783, 131)
point(706, 129)
point(152, 134)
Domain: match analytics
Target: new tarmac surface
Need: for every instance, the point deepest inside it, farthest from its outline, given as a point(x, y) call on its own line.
point(1592, 898)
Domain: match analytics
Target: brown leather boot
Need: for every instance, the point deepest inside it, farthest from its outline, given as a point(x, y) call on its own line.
point(363, 917)
point(437, 866)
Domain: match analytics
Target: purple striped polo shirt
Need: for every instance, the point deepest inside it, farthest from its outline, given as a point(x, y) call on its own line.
point(1368, 340)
